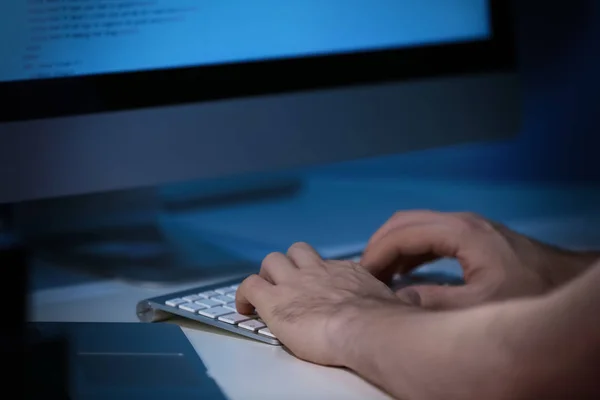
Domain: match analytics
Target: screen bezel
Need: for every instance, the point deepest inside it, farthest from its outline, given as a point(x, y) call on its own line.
point(68, 96)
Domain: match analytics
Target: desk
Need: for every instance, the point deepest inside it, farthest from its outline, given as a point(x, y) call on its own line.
point(245, 369)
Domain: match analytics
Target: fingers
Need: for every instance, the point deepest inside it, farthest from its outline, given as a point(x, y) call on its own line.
point(254, 293)
point(435, 297)
point(304, 255)
point(404, 218)
point(408, 246)
point(277, 268)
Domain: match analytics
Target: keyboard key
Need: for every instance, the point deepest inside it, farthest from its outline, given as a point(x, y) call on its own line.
point(225, 290)
point(192, 297)
point(175, 302)
point(209, 294)
point(266, 332)
point(191, 307)
point(230, 306)
point(222, 299)
point(215, 312)
point(235, 287)
point(252, 325)
point(234, 318)
point(208, 303)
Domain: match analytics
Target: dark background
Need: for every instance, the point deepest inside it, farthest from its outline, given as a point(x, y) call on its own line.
point(559, 64)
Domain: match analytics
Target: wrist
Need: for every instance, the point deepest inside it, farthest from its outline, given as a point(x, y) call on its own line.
point(358, 326)
point(402, 348)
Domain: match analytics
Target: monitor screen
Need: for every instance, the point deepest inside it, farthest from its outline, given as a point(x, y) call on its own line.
point(102, 95)
point(66, 38)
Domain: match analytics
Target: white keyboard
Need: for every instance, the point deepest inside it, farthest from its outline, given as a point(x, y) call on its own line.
point(213, 305)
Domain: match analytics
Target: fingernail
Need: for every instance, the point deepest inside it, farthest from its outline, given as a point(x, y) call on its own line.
point(410, 296)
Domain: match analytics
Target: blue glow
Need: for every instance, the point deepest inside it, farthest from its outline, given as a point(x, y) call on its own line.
point(46, 38)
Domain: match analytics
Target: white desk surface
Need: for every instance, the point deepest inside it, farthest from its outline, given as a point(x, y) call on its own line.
point(246, 369)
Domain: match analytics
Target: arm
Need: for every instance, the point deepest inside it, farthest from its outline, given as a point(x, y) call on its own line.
point(336, 313)
point(568, 264)
point(547, 347)
point(558, 340)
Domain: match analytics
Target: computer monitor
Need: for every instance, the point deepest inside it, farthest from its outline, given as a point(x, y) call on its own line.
point(111, 95)
point(114, 95)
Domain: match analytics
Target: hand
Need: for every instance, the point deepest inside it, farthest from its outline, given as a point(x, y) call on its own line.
point(309, 303)
point(497, 263)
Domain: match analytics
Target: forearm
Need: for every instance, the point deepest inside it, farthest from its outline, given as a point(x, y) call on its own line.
point(430, 356)
point(546, 347)
point(558, 340)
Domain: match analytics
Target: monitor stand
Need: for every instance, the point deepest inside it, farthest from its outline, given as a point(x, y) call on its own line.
point(119, 235)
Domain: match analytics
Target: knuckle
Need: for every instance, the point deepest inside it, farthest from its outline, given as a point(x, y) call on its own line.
point(247, 285)
point(487, 225)
point(251, 281)
point(298, 246)
point(469, 221)
point(269, 259)
point(460, 224)
point(478, 221)
point(269, 262)
point(469, 216)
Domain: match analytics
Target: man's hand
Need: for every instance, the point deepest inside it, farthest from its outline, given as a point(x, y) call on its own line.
point(311, 304)
point(498, 263)
point(336, 313)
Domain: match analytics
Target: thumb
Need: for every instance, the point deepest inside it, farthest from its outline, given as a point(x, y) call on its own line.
point(438, 297)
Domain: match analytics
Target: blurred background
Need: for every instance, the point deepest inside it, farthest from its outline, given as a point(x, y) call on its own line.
point(559, 57)
point(550, 169)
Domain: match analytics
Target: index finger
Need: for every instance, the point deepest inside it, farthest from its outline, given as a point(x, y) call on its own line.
point(402, 219)
point(401, 245)
point(254, 293)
